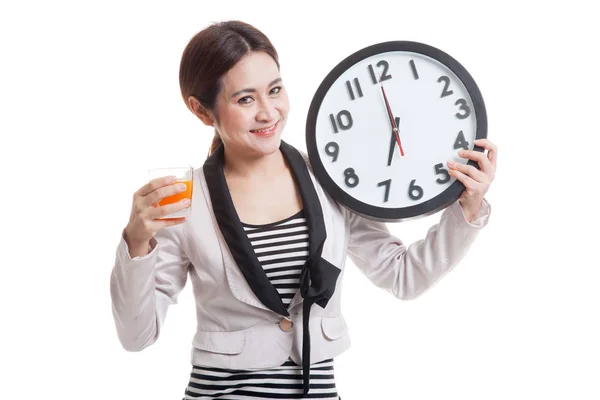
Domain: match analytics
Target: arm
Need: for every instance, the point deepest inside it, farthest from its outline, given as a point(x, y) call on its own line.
point(408, 272)
point(142, 288)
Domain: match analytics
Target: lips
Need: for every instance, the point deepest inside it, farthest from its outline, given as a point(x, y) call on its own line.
point(267, 131)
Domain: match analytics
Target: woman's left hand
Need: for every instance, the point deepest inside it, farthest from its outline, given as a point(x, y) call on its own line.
point(476, 181)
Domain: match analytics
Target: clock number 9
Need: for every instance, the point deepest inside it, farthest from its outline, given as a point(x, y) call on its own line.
point(332, 149)
point(463, 107)
point(351, 178)
point(415, 188)
point(344, 125)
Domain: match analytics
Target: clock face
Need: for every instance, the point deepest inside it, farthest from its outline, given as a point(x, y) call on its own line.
point(386, 173)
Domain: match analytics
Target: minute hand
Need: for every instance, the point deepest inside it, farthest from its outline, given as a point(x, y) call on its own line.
point(392, 121)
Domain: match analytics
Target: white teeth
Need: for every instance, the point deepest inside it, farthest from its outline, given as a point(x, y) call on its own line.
point(263, 130)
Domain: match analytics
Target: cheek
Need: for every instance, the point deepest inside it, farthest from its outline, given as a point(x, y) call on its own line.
point(234, 119)
point(283, 103)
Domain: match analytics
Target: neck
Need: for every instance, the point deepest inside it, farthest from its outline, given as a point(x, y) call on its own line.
point(250, 167)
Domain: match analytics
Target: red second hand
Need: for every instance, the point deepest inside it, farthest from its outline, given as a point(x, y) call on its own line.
point(391, 116)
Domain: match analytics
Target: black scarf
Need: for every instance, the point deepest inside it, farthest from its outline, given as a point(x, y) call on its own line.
point(318, 277)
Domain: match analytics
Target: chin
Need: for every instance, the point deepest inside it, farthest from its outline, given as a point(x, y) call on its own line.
point(269, 146)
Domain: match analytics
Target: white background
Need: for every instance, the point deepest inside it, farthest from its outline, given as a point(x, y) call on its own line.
point(89, 101)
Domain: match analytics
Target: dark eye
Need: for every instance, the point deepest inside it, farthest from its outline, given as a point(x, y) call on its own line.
point(245, 100)
point(276, 90)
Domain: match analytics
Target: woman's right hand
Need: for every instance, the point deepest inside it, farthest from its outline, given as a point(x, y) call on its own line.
point(143, 223)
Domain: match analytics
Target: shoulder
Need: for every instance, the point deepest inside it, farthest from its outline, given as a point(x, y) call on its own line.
point(304, 155)
point(325, 196)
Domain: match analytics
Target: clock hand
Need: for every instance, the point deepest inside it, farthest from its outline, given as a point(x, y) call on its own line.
point(391, 116)
point(393, 142)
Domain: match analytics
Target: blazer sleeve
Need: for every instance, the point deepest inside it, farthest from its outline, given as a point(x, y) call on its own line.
point(142, 288)
point(408, 272)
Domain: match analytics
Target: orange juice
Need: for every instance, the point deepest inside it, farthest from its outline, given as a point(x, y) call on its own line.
point(187, 194)
point(183, 175)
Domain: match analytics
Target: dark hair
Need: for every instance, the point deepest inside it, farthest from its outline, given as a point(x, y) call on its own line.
point(210, 54)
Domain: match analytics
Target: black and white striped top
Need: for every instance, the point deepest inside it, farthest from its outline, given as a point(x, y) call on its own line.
point(282, 249)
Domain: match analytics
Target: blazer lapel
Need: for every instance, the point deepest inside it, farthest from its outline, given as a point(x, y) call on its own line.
point(321, 279)
point(233, 232)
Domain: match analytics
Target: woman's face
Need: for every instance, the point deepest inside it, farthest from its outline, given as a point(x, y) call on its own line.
point(252, 106)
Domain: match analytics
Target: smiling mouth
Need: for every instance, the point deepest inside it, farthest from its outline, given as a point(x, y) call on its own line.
point(265, 131)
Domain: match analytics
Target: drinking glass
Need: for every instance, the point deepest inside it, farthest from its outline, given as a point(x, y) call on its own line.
point(184, 175)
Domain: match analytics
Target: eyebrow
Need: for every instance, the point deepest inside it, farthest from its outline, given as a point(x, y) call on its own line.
point(250, 90)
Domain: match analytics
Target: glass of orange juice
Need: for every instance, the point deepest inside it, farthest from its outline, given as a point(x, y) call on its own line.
point(184, 175)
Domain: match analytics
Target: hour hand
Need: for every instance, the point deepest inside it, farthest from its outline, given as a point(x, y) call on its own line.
point(393, 141)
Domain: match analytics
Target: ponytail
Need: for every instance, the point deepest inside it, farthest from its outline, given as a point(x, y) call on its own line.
point(216, 142)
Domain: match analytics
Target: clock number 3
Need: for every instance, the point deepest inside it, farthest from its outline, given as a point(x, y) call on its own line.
point(463, 107)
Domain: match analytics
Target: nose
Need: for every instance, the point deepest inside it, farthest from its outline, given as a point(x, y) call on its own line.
point(267, 111)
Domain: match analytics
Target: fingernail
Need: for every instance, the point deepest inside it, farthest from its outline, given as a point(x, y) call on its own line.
point(451, 163)
point(186, 202)
point(181, 187)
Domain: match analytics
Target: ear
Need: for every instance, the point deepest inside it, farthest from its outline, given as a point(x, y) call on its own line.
point(198, 109)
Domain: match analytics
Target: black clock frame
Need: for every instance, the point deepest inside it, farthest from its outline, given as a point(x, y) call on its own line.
point(431, 206)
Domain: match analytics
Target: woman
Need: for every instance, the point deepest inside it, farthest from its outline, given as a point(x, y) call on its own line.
point(264, 242)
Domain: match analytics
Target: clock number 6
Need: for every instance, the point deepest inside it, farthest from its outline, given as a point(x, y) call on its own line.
point(351, 178)
point(415, 188)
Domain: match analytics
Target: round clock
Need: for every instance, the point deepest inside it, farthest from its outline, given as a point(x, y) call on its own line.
point(383, 124)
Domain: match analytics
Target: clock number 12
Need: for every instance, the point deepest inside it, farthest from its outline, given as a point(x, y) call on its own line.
point(384, 76)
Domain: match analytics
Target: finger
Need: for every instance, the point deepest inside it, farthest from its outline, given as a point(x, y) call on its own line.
point(484, 163)
point(469, 170)
point(170, 222)
point(465, 179)
point(163, 211)
point(157, 224)
point(490, 147)
point(155, 184)
point(162, 192)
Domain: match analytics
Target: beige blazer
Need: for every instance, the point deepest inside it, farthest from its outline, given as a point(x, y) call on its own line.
point(241, 321)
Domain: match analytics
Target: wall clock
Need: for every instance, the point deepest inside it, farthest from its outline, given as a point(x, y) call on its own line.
point(384, 122)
